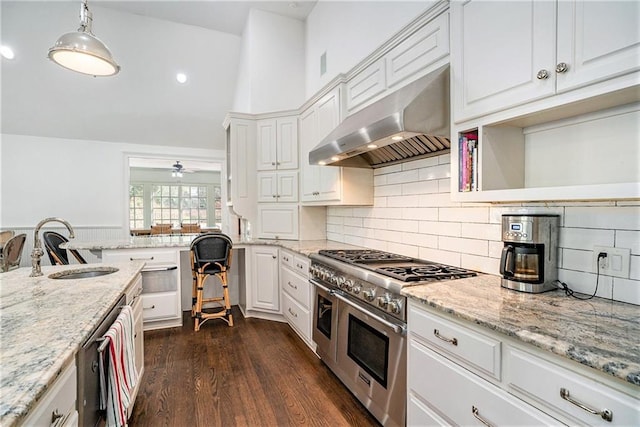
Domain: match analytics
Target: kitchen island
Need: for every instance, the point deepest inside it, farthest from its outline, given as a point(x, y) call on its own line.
point(44, 322)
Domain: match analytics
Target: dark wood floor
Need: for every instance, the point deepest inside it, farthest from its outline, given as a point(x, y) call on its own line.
point(256, 373)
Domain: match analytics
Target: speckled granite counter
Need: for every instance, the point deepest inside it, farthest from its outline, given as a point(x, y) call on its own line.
point(44, 321)
point(598, 333)
point(304, 247)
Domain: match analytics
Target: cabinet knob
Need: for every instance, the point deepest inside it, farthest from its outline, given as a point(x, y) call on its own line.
point(273, 163)
point(542, 75)
point(273, 195)
point(562, 67)
point(273, 256)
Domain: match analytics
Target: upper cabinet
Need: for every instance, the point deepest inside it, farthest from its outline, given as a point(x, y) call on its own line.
point(277, 143)
point(329, 185)
point(505, 54)
point(241, 175)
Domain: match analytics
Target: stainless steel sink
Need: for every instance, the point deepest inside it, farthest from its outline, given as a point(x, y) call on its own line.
point(83, 273)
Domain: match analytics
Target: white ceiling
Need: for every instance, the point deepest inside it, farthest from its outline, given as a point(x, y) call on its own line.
point(143, 104)
point(225, 16)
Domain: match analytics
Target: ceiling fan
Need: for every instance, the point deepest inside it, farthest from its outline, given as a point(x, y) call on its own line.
point(178, 170)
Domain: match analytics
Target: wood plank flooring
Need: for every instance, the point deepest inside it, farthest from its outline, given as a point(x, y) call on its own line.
point(256, 373)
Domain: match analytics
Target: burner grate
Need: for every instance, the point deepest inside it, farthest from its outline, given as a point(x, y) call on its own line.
point(426, 272)
point(363, 256)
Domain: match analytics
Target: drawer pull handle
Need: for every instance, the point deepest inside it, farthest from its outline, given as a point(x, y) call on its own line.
point(292, 313)
point(55, 416)
point(140, 259)
point(150, 308)
point(606, 414)
point(474, 411)
point(293, 286)
point(453, 341)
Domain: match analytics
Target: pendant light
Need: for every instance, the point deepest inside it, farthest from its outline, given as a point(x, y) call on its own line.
point(83, 52)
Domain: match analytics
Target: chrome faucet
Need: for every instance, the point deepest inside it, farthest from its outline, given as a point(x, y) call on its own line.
point(37, 252)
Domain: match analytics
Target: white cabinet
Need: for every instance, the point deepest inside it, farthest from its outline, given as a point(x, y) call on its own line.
point(134, 299)
point(505, 54)
point(296, 294)
point(57, 407)
point(241, 171)
point(278, 221)
point(459, 373)
point(278, 187)
point(161, 293)
point(263, 290)
point(277, 143)
point(329, 185)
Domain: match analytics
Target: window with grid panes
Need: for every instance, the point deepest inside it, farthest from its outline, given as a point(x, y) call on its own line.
point(136, 206)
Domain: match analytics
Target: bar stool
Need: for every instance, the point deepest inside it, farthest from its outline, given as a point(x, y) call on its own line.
point(210, 255)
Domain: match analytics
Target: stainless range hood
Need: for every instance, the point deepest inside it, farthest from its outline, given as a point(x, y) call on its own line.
point(411, 123)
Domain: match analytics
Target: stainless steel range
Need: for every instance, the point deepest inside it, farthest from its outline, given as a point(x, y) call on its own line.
point(360, 321)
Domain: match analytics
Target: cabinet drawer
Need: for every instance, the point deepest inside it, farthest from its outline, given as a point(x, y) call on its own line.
point(452, 392)
point(297, 316)
point(296, 286)
point(542, 381)
point(160, 306)
point(152, 257)
point(419, 414)
point(60, 398)
point(477, 350)
point(301, 266)
point(286, 258)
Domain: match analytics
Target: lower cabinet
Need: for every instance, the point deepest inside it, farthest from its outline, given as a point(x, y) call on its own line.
point(134, 299)
point(296, 294)
point(161, 294)
point(461, 374)
point(278, 221)
point(58, 405)
point(263, 288)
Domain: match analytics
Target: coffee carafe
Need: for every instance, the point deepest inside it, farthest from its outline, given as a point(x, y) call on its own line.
point(529, 256)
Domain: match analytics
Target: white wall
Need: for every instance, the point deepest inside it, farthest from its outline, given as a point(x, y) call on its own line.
point(271, 64)
point(348, 31)
point(413, 215)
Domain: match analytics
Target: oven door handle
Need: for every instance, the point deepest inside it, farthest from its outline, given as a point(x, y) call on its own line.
point(398, 329)
point(321, 286)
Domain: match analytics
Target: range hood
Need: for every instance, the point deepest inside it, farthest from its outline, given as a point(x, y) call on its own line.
point(409, 124)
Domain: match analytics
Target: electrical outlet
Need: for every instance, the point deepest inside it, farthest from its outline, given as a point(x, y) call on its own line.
point(615, 264)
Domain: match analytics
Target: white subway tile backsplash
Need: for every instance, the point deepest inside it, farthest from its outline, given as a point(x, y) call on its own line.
point(379, 202)
point(421, 187)
point(421, 240)
point(402, 249)
point(354, 231)
point(437, 200)
point(585, 283)
point(403, 201)
point(379, 180)
point(335, 237)
point(577, 260)
point(353, 221)
point(481, 231)
point(424, 214)
point(628, 239)
point(356, 241)
point(335, 228)
point(389, 212)
point(615, 217)
point(387, 190)
point(634, 268)
point(364, 212)
point(464, 246)
point(421, 163)
point(440, 228)
point(437, 255)
point(403, 225)
point(334, 219)
point(585, 238)
point(388, 170)
point(626, 290)
point(435, 172)
point(472, 214)
point(402, 177)
point(480, 263)
point(444, 159)
point(375, 223)
point(444, 185)
point(495, 250)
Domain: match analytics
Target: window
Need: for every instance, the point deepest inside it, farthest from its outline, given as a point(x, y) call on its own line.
point(174, 203)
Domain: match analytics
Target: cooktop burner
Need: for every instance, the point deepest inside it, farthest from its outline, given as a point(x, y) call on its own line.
point(363, 255)
point(427, 272)
point(399, 267)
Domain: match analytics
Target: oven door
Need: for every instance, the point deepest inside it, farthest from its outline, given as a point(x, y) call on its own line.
point(371, 358)
point(325, 323)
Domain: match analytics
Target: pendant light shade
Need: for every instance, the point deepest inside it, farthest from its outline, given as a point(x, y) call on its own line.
point(83, 52)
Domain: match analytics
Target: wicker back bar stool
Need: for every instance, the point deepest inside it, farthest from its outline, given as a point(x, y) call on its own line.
point(210, 256)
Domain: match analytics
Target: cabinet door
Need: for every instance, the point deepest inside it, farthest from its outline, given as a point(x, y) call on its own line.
point(310, 173)
point(287, 143)
point(287, 189)
point(265, 292)
point(241, 158)
point(328, 117)
point(278, 221)
point(365, 85)
point(267, 186)
point(266, 136)
point(497, 49)
point(597, 40)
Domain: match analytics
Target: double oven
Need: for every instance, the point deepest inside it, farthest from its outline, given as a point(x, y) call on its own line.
point(359, 322)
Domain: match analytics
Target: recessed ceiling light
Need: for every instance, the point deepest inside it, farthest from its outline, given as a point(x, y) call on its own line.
point(372, 146)
point(335, 158)
point(321, 163)
point(181, 77)
point(397, 138)
point(7, 52)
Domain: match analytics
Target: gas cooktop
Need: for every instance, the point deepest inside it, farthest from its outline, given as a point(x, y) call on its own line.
point(399, 267)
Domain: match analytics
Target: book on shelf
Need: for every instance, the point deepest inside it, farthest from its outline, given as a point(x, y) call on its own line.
point(468, 162)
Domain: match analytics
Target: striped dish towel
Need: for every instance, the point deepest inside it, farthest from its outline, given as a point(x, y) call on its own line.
point(121, 374)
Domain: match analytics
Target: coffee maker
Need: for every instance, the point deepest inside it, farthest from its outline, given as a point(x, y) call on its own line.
point(529, 261)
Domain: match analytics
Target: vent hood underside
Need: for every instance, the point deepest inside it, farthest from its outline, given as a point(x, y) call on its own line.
point(409, 124)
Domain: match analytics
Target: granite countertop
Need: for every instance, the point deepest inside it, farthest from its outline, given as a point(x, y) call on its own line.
point(304, 247)
point(44, 322)
point(598, 333)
